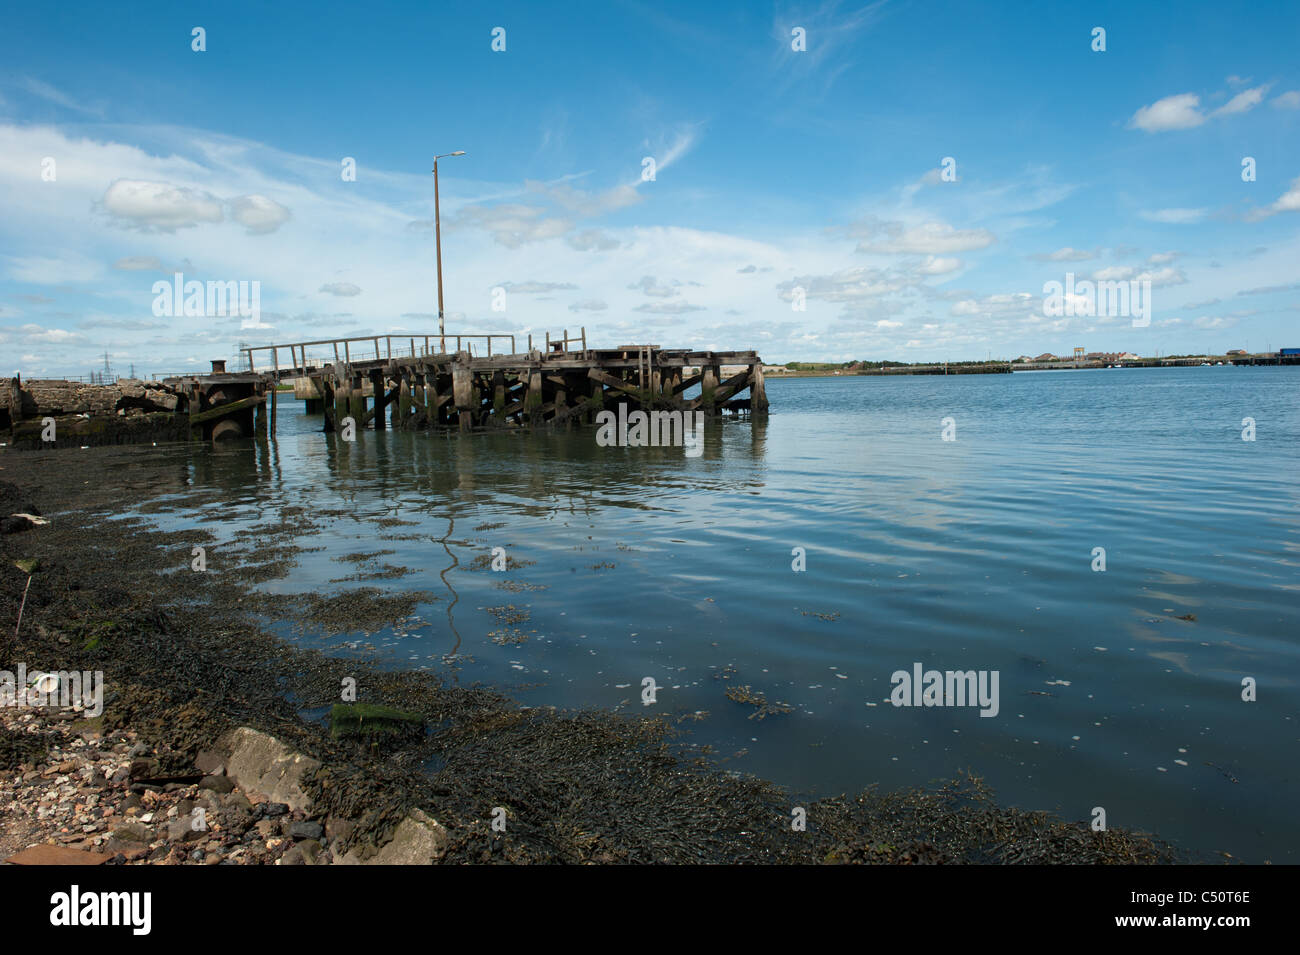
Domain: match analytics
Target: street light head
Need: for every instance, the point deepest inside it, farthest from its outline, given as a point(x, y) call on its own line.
point(459, 152)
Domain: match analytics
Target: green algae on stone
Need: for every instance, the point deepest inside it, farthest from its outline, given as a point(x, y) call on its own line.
point(372, 722)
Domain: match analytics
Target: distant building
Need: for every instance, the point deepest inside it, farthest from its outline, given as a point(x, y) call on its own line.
point(1024, 358)
point(1046, 356)
point(1110, 357)
point(1237, 351)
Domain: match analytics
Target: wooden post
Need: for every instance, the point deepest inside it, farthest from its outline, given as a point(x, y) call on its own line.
point(708, 386)
point(757, 389)
point(357, 404)
point(404, 401)
point(417, 393)
point(498, 396)
point(377, 385)
point(431, 392)
point(327, 400)
point(533, 397)
point(259, 421)
point(462, 392)
point(562, 405)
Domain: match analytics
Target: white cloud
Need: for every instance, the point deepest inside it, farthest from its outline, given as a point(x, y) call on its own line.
point(1173, 112)
point(513, 225)
point(1289, 100)
point(1121, 273)
point(159, 206)
point(258, 214)
point(1174, 216)
point(938, 265)
point(653, 287)
point(537, 288)
point(930, 238)
point(1070, 254)
point(668, 308)
point(593, 240)
point(1162, 277)
point(342, 289)
point(1243, 102)
point(1289, 201)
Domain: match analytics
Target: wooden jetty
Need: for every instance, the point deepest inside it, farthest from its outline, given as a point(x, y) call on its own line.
point(483, 381)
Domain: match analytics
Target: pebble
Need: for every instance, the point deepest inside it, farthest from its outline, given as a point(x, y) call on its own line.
point(86, 791)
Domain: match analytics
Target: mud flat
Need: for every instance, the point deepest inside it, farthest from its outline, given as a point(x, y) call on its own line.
point(195, 690)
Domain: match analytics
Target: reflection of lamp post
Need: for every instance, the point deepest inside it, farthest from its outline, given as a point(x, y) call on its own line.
point(437, 239)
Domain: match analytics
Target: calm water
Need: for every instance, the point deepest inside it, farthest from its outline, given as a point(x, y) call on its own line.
point(970, 554)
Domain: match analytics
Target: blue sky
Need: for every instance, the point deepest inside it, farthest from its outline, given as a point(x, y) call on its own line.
point(776, 171)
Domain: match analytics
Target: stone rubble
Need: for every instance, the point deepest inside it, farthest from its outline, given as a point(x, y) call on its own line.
point(92, 792)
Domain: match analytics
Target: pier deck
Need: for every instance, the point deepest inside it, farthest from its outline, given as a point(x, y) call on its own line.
point(414, 382)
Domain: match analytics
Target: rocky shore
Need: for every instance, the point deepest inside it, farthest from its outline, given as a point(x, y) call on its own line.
point(124, 411)
point(208, 718)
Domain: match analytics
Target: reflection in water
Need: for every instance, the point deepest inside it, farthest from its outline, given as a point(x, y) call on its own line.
point(971, 554)
point(455, 597)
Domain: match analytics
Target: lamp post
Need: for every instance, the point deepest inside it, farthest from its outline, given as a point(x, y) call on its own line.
point(437, 239)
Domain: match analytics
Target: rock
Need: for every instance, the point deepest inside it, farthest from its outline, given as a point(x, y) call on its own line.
point(144, 768)
point(218, 784)
point(337, 828)
point(57, 855)
point(419, 839)
point(210, 763)
point(131, 832)
point(303, 853)
point(306, 830)
point(267, 828)
point(274, 809)
point(182, 830)
point(237, 801)
point(15, 524)
point(260, 763)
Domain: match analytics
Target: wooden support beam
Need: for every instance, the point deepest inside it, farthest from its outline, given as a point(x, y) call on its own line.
point(618, 384)
point(382, 401)
point(721, 393)
point(221, 411)
point(681, 384)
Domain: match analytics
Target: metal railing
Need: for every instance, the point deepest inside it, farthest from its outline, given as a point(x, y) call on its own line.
point(370, 348)
point(298, 350)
